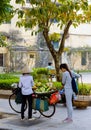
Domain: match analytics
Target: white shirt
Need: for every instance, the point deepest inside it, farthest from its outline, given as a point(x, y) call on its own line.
point(26, 83)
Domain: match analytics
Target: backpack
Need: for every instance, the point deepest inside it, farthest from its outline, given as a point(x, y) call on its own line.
point(74, 86)
point(18, 98)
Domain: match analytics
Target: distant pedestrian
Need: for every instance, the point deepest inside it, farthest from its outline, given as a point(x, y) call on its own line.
point(50, 66)
point(26, 83)
point(51, 69)
point(66, 81)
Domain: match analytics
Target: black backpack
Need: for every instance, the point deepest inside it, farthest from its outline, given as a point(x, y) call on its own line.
point(74, 86)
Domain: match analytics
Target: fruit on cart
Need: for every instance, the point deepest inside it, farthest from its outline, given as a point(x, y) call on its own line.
point(46, 86)
point(38, 84)
point(34, 87)
point(43, 88)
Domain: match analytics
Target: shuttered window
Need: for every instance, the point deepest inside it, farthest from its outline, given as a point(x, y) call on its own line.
point(83, 58)
point(1, 59)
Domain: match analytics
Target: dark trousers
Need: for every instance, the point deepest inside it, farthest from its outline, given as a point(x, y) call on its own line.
point(26, 98)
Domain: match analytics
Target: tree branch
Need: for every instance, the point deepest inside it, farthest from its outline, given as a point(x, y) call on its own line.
point(66, 29)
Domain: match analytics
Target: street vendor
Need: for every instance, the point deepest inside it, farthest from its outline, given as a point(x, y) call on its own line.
point(26, 83)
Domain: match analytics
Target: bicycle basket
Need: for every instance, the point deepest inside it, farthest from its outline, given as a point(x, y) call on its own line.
point(40, 104)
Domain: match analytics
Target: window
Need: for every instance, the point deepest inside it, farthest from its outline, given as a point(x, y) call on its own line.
point(1, 59)
point(31, 56)
point(7, 22)
point(53, 20)
point(83, 58)
point(55, 45)
point(27, 1)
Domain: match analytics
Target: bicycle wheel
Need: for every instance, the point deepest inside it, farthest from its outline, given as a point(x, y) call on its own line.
point(50, 112)
point(15, 107)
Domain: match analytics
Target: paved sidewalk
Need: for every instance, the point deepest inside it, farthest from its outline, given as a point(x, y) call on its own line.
point(82, 120)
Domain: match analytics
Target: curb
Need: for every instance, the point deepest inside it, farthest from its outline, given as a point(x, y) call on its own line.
point(5, 93)
point(4, 96)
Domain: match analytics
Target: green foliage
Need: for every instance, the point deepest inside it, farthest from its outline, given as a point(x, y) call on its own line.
point(54, 37)
point(41, 71)
point(6, 84)
point(6, 11)
point(20, 2)
point(7, 76)
point(2, 40)
point(6, 80)
point(40, 74)
point(84, 89)
point(57, 85)
point(63, 12)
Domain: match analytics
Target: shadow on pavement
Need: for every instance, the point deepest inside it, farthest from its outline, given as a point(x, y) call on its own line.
point(25, 122)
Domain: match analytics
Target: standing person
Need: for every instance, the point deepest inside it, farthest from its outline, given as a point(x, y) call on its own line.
point(51, 71)
point(26, 83)
point(50, 67)
point(66, 81)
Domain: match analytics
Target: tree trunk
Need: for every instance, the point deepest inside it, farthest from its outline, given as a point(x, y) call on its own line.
point(57, 67)
point(56, 55)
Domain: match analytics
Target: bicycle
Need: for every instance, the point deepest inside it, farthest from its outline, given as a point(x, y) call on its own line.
point(17, 107)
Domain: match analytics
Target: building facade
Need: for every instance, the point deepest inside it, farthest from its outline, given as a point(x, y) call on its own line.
point(23, 48)
point(79, 42)
point(29, 51)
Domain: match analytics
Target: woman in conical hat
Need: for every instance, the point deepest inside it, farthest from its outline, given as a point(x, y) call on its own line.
point(26, 83)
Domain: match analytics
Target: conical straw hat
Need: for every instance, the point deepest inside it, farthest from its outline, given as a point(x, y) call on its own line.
point(25, 71)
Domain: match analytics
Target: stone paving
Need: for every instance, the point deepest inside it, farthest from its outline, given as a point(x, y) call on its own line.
point(9, 120)
point(81, 119)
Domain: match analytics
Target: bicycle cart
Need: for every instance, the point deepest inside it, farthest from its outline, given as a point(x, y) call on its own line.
point(42, 96)
point(51, 107)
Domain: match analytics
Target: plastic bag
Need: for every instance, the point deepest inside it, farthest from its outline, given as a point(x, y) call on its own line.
point(54, 98)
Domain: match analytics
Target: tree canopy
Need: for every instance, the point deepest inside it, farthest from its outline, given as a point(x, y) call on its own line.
point(65, 12)
point(6, 10)
point(6, 13)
